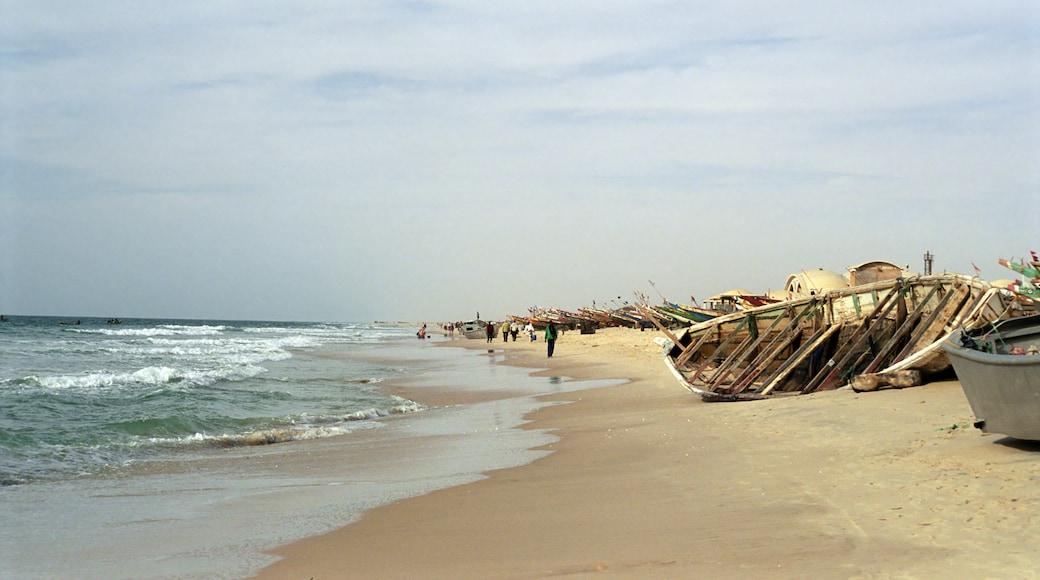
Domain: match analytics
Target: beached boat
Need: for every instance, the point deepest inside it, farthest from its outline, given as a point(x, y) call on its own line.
point(683, 314)
point(999, 369)
point(598, 316)
point(474, 328)
point(887, 333)
point(735, 300)
point(541, 317)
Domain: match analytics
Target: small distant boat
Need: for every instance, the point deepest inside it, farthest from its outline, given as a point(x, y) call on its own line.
point(998, 366)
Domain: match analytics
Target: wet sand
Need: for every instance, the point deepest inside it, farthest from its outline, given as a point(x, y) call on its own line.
point(648, 481)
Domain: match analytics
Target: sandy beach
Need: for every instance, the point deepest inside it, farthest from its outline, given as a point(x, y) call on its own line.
point(647, 481)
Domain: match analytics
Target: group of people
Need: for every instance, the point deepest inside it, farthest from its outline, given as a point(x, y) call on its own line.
point(513, 329)
point(508, 329)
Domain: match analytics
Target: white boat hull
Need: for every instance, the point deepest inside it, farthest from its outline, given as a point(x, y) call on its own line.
point(1002, 389)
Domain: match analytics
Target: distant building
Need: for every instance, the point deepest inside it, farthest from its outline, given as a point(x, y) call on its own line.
point(809, 282)
point(876, 271)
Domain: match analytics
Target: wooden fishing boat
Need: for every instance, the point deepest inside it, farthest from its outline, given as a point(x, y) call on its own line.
point(1029, 286)
point(684, 314)
point(541, 317)
point(883, 334)
point(998, 366)
point(733, 301)
point(596, 316)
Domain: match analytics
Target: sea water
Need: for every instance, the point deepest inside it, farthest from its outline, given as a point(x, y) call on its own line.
point(175, 448)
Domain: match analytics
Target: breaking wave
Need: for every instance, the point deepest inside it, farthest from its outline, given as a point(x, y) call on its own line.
point(158, 375)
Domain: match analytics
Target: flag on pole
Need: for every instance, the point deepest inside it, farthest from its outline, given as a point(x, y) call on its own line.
point(978, 271)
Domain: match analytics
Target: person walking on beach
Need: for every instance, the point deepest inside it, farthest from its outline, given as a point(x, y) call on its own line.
point(550, 337)
point(514, 329)
point(490, 330)
point(530, 331)
point(505, 331)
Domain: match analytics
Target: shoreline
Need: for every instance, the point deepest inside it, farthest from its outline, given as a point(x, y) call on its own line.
point(647, 480)
point(205, 511)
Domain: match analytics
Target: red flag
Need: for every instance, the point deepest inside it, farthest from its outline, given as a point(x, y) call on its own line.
point(978, 271)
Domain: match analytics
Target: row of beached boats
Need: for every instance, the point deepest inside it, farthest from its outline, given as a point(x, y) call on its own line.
point(878, 326)
point(897, 332)
point(593, 316)
point(883, 333)
point(643, 314)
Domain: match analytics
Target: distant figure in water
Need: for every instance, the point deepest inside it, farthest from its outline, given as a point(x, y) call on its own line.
point(490, 330)
point(422, 332)
point(550, 337)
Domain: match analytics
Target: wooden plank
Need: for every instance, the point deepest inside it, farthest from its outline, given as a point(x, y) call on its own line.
point(799, 356)
point(908, 324)
point(693, 347)
point(932, 327)
point(749, 321)
point(648, 314)
point(710, 328)
point(734, 362)
point(785, 337)
point(722, 369)
point(853, 345)
point(763, 360)
point(722, 344)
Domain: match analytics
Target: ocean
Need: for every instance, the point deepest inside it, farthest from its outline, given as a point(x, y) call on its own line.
point(147, 448)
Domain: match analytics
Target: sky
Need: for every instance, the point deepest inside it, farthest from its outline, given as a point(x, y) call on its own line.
point(423, 161)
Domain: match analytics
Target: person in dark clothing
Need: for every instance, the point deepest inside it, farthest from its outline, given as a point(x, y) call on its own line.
point(490, 330)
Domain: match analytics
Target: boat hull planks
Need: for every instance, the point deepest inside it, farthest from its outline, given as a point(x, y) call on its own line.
point(822, 342)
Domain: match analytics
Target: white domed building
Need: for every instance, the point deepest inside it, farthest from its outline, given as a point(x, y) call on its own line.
point(812, 282)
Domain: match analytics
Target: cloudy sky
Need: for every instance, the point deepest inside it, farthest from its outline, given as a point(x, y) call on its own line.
point(414, 160)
